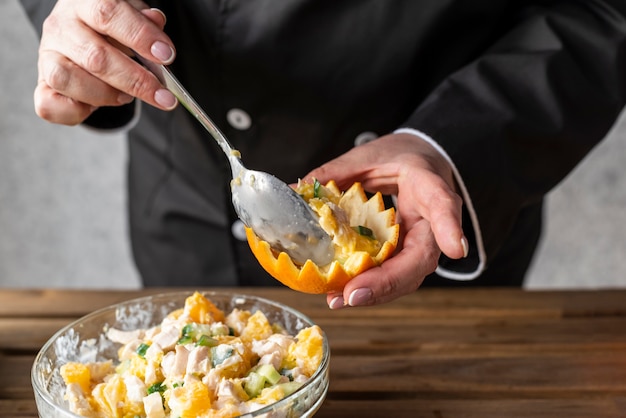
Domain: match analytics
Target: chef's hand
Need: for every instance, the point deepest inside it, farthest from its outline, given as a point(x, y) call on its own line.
point(84, 60)
point(428, 206)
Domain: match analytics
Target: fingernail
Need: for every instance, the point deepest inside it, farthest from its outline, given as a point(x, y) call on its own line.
point(336, 303)
point(124, 98)
point(360, 297)
point(154, 9)
point(162, 51)
point(165, 98)
point(465, 246)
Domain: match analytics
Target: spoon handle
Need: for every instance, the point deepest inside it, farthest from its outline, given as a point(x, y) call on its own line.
point(169, 80)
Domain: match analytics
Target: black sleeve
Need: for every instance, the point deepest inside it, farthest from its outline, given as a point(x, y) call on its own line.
point(103, 118)
point(518, 119)
point(37, 11)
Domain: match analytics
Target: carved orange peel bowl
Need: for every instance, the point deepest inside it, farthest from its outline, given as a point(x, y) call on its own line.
point(364, 235)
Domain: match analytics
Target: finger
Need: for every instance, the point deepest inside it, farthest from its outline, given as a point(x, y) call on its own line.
point(434, 200)
point(447, 228)
point(92, 52)
point(68, 79)
point(103, 62)
point(335, 300)
point(156, 16)
point(396, 277)
point(129, 26)
point(336, 170)
point(400, 275)
point(57, 108)
point(366, 164)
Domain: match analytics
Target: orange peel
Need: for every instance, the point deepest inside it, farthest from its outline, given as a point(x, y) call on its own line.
point(342, 215)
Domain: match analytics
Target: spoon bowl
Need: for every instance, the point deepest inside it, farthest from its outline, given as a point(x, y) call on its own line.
point(267, 205)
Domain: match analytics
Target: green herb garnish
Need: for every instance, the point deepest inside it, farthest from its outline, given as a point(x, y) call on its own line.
point(316, 188)
point(141, 350)
point(363, 230)
point(157, 387)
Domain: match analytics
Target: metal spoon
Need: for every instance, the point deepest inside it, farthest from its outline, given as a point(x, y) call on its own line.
point(272, 209)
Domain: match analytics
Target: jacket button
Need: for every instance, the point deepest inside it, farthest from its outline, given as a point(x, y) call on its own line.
point(238, 230)
point(238, 119)
point(365, 137)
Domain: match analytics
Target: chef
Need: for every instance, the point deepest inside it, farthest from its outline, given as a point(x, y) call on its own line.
point(465, 113)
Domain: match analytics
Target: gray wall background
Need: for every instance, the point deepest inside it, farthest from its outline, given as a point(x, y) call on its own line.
point(63, 202)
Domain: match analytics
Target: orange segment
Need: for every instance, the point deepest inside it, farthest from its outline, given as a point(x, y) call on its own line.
point(308, 350)
point(201, 310)
point(77, 373)
point(354, 253)
point(257, 328)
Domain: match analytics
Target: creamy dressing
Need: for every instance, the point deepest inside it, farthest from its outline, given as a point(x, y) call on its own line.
point(199, 362)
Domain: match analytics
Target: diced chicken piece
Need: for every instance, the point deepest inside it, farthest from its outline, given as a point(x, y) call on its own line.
point(263, 347)
point(275, 359)
point(123, 337)
point(275, 342)
point(177, 321)
point(153, 405)
point(272, 350)
point(235, 358)
point(237, 320)
point(152, 375)
point(98, 370)
point(154, 353)
point(77, 401)
point(284, 341)
point(167, 338)
point(227, 389)
point(151, 332)
point(298, 375)
point(128, 350)
point(179, 366)
point(212, 378)
point(175, 368)
point(135, 388)
point(198, 362)
point(302, 378)
point(190, 381)
point(167, 363)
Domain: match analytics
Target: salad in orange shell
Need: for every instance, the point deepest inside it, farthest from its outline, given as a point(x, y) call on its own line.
point(363, 232)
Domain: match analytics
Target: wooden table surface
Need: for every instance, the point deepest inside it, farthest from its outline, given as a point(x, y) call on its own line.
point(436, 353)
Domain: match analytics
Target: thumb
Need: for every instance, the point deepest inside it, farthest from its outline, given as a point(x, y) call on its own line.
point(340, 170)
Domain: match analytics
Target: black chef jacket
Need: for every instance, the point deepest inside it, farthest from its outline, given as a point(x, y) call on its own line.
point(516, 93)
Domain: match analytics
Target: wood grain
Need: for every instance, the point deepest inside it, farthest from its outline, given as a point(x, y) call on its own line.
point(436, 353)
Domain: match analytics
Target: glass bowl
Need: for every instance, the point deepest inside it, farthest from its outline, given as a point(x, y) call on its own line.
point(84, 341)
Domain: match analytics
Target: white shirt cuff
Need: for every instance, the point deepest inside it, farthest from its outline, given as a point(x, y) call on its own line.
point(482, 257)
point(125, 128)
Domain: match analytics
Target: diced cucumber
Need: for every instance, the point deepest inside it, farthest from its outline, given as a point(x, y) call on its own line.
point(290, 387)
point(254, 384)
point(270, 374)
point(219, 328)
point(206, 341)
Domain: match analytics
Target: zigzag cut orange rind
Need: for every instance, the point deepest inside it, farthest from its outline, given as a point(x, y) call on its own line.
point(364, 235)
